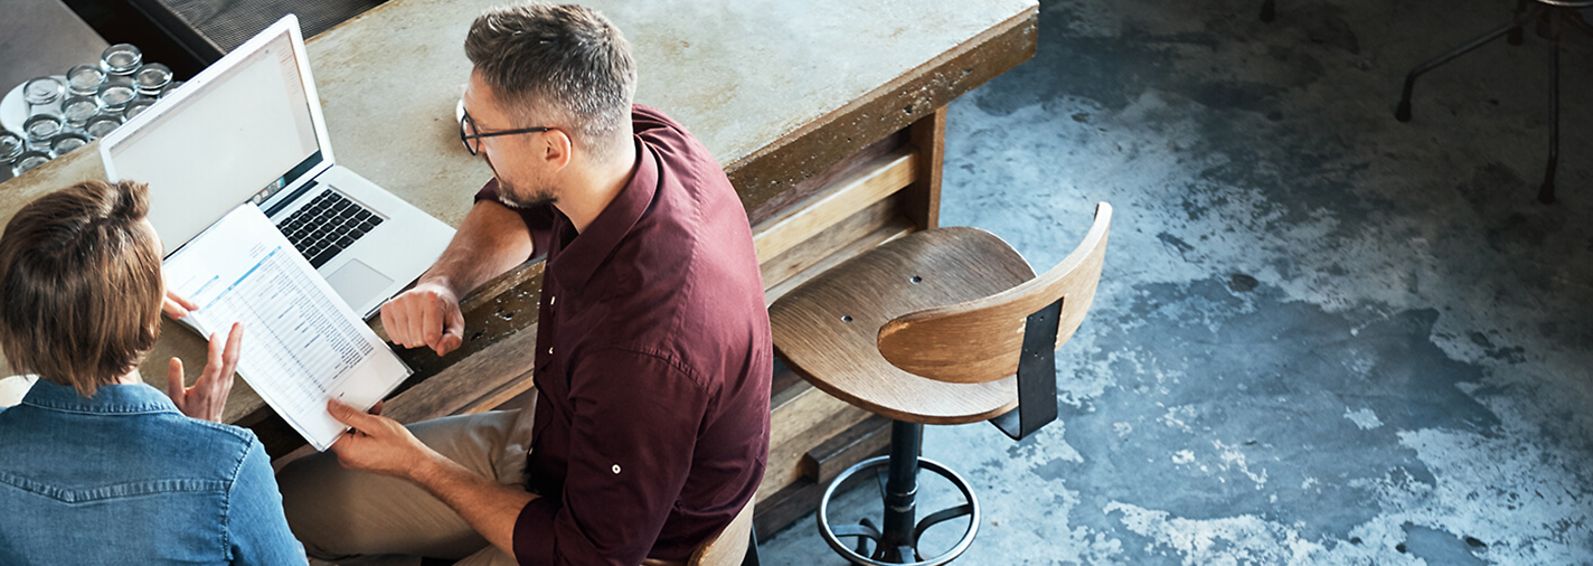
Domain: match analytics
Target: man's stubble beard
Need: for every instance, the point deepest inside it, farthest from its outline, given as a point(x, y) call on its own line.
point(510, 194)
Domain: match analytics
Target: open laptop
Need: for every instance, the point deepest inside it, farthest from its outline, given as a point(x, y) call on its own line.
point(249, 129)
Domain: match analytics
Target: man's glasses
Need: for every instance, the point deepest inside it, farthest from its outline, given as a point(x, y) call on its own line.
point(469, 134)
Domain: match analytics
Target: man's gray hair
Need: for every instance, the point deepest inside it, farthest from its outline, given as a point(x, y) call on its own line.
point(564, 64)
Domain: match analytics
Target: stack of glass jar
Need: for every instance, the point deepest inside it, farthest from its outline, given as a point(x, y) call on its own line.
point(66, 113)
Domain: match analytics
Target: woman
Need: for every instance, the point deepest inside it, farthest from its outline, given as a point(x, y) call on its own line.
point(95, 466)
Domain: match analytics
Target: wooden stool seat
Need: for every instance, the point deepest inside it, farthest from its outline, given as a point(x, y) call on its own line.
point(945, 326)
point(828, 328)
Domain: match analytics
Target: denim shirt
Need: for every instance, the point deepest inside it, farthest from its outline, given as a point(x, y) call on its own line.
point(124, 478)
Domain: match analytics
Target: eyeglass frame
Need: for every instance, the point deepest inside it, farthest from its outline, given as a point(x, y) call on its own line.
point(465, 138)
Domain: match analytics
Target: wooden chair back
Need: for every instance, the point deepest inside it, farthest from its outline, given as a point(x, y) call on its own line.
point(979, 340)
point(729, 547)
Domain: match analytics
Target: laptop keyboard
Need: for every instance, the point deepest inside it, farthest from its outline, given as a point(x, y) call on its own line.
point(327, 225)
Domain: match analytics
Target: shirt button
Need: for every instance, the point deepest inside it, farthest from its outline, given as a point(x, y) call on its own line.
point(550, 350)
point(552, 299)
point(615, 468)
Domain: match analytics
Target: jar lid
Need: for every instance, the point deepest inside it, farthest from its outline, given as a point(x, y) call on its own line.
point(43, 126)
point(153, 76)
point(11, 145)
point(85, 79)
point(121, 59)
point(43, 90)
point(65, 143)
point(28, 161)
point(100, 125)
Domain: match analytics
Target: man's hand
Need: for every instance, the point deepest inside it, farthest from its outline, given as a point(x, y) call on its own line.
point(175, 306)
point(208, 397)
point(377, 444)
point(381, 445)
point(427, 315)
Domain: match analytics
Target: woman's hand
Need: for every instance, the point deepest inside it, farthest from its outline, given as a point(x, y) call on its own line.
point(208, 397)
point(175, 306)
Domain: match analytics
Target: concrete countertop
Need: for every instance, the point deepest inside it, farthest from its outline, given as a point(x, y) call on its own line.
point(739, 74)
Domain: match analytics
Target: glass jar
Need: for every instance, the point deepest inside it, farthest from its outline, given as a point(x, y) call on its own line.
point(116, 93)
point(28, 160)
point(136, 107)
point(170, 88)
point(77, 110)
point(84, 80)
point(121, 59)
point(41, 128)
point(43, 95)
point(101, 124)
point(11, 146)
point(65, 143)
point(152, 79)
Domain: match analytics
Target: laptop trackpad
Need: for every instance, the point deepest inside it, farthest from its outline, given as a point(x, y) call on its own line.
point(357, 282)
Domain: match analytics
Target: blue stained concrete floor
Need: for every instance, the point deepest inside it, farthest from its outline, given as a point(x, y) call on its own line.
point(1322, 336)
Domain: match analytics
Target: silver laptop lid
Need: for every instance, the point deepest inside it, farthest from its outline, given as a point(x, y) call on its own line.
point(247, 128)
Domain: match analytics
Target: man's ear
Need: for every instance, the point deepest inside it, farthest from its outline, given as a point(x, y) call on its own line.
point(556, 148)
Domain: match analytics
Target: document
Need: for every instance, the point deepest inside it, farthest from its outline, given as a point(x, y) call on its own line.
point(302, 344)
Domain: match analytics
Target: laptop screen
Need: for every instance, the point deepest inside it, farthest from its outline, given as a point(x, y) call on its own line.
point(239, 136)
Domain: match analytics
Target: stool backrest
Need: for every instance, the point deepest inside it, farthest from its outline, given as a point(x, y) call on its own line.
point(980, 340)
point(729, 547)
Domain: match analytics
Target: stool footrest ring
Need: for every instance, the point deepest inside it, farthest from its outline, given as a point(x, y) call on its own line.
point(908, 542)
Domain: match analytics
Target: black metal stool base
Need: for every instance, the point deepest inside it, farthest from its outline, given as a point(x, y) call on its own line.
point(897, 542)
point(1551, 18)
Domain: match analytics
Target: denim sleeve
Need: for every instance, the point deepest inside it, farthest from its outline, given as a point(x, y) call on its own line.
point(257, 529)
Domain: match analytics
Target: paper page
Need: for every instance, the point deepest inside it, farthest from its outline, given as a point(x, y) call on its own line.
point(302, 344)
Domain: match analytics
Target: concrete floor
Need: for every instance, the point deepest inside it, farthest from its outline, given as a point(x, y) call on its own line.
point(1322, 336)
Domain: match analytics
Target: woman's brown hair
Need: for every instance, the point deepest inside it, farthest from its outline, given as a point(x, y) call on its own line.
point(80, 285)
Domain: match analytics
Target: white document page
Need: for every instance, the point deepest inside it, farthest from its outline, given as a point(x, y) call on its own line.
point(302, 344)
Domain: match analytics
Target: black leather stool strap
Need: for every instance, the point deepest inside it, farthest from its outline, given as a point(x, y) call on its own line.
point(1036, 376)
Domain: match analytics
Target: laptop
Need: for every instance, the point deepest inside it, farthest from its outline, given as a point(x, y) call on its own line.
point(249, 129)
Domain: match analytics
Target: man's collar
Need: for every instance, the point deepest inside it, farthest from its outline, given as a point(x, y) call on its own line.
point(576, 262)
point(122, 398)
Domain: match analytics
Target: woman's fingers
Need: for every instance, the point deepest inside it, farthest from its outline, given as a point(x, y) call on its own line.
point(174, 381)
point(214, 353)
point(187, 304)
point(175, 306)
point(229, 356)
point(229, 365)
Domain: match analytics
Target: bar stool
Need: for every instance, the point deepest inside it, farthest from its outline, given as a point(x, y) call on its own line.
point(736, 544)
point(1551, 18)
point(945, 326)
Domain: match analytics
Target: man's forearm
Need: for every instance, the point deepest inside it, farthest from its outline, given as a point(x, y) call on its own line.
point(488, 507)
point(491, 240)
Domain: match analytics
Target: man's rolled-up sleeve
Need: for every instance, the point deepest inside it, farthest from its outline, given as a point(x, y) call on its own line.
point(632, 435)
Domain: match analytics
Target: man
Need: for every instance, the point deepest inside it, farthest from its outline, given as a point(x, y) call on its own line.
point(650, 426)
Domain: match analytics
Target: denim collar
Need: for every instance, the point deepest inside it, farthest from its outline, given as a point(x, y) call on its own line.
point(119, 399)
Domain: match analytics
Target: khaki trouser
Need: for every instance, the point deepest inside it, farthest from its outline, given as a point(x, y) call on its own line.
point(340, 514)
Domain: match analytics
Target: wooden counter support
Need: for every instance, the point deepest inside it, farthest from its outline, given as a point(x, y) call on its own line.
point(928, 139)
